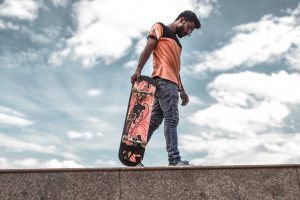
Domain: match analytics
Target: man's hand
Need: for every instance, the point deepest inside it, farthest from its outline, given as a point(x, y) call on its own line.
point(135, 76)
point(184, 98)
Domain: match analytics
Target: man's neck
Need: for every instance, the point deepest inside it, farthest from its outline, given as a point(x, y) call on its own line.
point(173, 26)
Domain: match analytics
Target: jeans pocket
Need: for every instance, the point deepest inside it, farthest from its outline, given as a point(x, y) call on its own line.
point(173, 90)
point(161, 90)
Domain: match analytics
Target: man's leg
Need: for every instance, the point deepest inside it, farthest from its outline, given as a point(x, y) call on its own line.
point(168, 100)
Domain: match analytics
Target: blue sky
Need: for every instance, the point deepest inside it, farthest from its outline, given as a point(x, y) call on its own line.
point(65, 81)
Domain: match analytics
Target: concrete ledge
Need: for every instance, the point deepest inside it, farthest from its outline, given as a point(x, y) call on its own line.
point(207, 182)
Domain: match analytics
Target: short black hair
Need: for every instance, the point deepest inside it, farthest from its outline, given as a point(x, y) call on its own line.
point(191, 17)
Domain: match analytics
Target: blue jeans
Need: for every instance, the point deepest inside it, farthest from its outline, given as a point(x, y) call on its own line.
point(166, 107)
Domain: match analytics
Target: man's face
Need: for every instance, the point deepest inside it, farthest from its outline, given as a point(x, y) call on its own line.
point(185, 28)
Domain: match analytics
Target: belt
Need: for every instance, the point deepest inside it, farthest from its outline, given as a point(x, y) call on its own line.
point(157, 77)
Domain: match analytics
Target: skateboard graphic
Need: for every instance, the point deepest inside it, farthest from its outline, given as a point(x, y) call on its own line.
point(135, 131)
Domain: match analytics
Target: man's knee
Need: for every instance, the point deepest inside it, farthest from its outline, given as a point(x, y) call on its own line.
point(155, 123)
point(172, 122)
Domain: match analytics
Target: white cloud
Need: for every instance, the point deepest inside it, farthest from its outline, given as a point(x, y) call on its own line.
point(4, 163)
point(10, 111)
point(249, 103)
point(246, 88)
point(21, 9)
point(100, 125)
point(8, 26)
point(94, 92)
point(195, 100)
point(237, 120)
point(13, 144)
point(16, 145)
point(131, 64)
point(84, 135)
point(24, 58)
point(271, 148)
point(105, 31)
point(38, 38)
point(100, 134)
point(60, 3)
point(93, 120)
point(35, 163)
point(140, 45)
point(11, 117)
point(15, 121)
point(293, 57)
point(26, 163)
point(77, 135)
point(105, 162)
point(272, 38)
point(53, 163)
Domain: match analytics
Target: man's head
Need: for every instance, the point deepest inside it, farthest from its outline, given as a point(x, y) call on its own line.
point(187, 21)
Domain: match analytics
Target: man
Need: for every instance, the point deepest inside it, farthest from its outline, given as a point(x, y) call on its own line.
point(166, 48)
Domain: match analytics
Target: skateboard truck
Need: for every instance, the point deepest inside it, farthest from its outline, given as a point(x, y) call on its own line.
point(134, 140)
point(143, 92)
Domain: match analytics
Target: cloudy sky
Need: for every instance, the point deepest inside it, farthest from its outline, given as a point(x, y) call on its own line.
point(65, 70)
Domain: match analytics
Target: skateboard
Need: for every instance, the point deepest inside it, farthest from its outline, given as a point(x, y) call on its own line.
point(135, 131)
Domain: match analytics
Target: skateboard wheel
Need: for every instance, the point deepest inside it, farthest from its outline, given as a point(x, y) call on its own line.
point(144, 143)
point(124, 138)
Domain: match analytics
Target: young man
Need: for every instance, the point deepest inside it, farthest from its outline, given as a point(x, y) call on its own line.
point(166, 48)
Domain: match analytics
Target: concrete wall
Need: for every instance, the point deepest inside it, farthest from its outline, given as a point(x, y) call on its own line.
point(223, 182)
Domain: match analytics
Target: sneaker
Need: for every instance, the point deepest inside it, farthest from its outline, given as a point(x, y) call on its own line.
point(140, 165)
point(181, 163)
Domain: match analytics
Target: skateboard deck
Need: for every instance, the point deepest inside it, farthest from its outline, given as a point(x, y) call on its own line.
point(135, 131)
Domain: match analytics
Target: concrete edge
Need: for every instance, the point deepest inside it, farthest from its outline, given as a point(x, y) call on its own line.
point(63, 170)
point(298, 178)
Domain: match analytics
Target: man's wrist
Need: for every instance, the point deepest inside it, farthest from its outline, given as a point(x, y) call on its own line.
point(181, 88)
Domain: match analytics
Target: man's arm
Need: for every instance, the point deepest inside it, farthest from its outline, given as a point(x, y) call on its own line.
point(150, 46)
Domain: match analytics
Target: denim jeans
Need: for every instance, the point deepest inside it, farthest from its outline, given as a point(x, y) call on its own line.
point(166, 107)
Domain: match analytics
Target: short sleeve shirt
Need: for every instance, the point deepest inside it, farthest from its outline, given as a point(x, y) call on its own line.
point(166, 55)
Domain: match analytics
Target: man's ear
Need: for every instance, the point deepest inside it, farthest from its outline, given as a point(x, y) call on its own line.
point(182, 19)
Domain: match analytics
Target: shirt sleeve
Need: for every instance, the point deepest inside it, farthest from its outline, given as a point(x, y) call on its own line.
point(156, 31)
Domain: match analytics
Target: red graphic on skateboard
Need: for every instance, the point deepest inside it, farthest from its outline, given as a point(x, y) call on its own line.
point(135, 131)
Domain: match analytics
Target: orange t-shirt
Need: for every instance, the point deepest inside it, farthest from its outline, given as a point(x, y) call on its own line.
point(166, 55)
